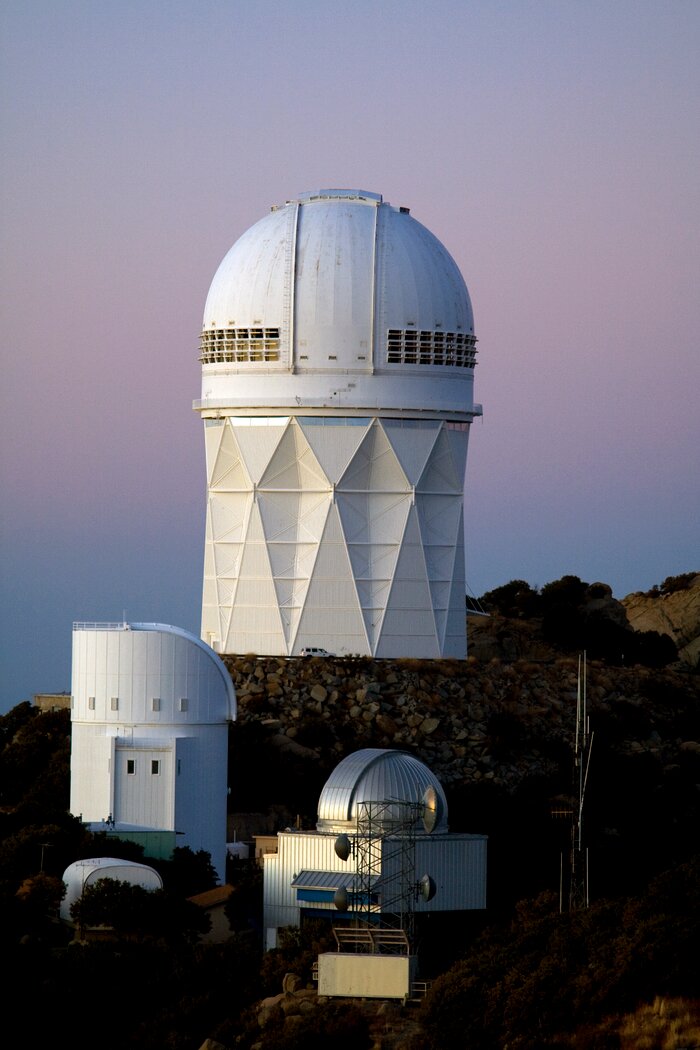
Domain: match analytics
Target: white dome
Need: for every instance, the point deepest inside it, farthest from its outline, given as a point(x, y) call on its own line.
point(378, 776)
point(337, 282)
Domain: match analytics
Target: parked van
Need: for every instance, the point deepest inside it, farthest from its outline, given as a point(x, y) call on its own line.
point(311, 650)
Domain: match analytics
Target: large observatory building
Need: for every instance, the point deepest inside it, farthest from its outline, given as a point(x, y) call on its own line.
point(338, 355)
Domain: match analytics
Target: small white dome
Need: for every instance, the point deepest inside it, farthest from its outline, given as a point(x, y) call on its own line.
point(375, 776)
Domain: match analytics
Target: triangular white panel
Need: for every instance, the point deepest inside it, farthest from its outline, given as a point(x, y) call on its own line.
point(372, 517)
point(255, 564)
point(412, 446)
point(228, 471)
point(331, 610)
point(333, 447)
point(455, 638)
point(294, 516)
point(227, 558)
point(439, 560)
point(440, 473)
point(255, 623)
point(458, 440)
point(212, 439)
point(226, 590)
point(228, 515)
point(408, 622)
point(293, 465)
point(374, 466)
point(209, 562)
point(286, 559)
point(439, 518)
point(257, 445)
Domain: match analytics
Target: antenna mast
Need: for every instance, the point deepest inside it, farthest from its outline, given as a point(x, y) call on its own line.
point(578, 885)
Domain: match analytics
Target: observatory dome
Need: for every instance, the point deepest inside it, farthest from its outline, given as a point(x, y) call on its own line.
point(338, 282)
point(384, 780)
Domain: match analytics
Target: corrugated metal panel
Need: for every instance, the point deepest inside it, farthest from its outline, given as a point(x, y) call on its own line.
point(325, 880)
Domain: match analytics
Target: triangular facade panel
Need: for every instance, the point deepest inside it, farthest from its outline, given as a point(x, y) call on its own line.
point(441, 473)
point(229, 472)
point(331, 609)
point(228, 515)
point(257, 445)
point(333, 447)
point(213, 433)
point(439, 517)
point(293, 465)
point(227, 558)
point(458, 441)
point(412, 445)
point(375, 466)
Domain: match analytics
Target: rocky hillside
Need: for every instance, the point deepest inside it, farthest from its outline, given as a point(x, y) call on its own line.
point(672, 609)
point(455, 713)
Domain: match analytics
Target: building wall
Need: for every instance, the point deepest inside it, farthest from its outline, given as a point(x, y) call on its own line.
point(342, 532)
point(456, 863)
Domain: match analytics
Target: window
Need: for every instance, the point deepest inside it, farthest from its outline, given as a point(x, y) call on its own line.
point(455, 349)
point(155, 703)
point(91, 703)
point(155, 767)
point(115, 703)
point(183, 704)
point(239, 345)
point(130, 766)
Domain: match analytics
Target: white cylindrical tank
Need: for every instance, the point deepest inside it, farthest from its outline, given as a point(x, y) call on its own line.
point(151, 705)
point(338, 356)
point(83, 873)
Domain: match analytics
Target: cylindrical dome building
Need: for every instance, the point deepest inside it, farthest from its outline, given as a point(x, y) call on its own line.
point(338, 355)
point(150, 711)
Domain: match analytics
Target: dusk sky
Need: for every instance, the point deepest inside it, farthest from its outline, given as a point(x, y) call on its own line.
point(553, 147)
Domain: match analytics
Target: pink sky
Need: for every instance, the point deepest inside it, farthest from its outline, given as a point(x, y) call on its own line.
point(552, 147)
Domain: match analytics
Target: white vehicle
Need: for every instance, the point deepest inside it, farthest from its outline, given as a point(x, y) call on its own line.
point(311, 650)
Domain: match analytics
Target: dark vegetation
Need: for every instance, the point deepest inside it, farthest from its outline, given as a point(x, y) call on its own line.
point(572, 616)
point(522, 975)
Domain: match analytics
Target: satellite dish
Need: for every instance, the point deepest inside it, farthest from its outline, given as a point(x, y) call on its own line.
point(431, 808)
point(340, 899)
point(342, 847)
point(427, 888)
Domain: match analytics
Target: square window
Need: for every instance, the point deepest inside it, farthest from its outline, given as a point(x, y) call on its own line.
point(130, 766)
point(115, 703)
point(155, 767)
point(155, 703)
point(91, 703)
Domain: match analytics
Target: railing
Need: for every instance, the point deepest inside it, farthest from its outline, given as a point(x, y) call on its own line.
point(122, 625)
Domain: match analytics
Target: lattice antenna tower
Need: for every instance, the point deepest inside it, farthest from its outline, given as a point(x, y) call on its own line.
point(578, 884)
point(384, 848)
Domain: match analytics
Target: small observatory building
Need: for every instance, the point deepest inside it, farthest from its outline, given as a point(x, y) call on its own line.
point(83, 873)
point(151, 705)
point(381, 851)
point(338, 356)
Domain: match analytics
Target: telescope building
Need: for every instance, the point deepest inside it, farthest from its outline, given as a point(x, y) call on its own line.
point(338, 356)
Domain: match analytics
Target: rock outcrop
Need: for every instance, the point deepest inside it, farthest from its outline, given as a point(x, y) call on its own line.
point(674, 612)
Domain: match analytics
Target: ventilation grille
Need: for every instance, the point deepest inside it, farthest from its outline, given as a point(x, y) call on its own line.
point(239, 345)
point(409, 347)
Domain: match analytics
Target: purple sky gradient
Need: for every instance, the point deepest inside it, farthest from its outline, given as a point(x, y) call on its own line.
point(552, 146)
